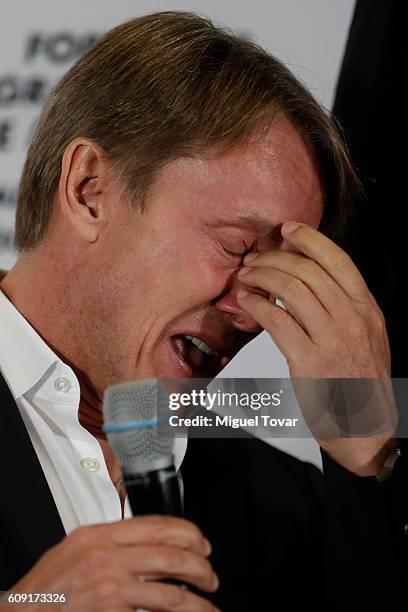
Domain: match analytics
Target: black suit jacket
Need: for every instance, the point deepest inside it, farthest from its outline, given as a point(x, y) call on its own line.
point(284, 536)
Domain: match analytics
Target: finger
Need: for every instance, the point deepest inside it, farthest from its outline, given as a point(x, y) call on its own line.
point(301, 302)
point(157, 596)
point(170, 562)
point(330, 256)
point(155, 529)
point(86, 603)
point(288, 335)
point(104, 596)
point(329, 293)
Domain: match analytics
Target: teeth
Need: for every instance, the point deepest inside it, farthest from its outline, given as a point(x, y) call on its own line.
point(201, 345)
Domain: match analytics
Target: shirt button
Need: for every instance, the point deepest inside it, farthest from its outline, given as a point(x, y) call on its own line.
point(62, 384)
point(90, 464)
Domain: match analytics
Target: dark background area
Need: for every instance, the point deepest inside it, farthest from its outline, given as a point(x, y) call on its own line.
point(371, 105)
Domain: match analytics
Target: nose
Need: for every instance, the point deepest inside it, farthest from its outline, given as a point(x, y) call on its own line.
point(240, 318)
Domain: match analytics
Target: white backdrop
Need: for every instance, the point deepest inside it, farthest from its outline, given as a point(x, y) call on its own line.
point(39, 41)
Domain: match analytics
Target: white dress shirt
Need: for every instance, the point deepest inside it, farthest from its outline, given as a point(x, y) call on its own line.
point(47, 394)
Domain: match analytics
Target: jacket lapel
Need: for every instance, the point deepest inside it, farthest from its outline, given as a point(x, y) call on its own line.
point(27, 508)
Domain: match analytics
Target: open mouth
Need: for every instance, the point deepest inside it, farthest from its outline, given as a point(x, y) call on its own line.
point(196, 357)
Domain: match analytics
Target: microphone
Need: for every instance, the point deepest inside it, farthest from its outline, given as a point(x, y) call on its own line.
point(131, 419)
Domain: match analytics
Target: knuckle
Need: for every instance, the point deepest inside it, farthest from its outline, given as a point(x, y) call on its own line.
point(107, 588)
point(342, 262)
point(158, 523)
point(174, 560)
point(294, 288)
point(80, 536)
point(279, 317)
point(166, 525)
point(194, 532)
point(174, 597)
point(107, 595)
point(376, 316)
point(161, 526)
point(96, 558)
point(306, 267)
point(358, 326)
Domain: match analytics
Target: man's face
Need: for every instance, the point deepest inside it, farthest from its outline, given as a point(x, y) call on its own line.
point(172, 269)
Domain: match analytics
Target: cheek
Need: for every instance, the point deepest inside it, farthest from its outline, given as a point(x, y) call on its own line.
point(314, 213)
point(199, 279)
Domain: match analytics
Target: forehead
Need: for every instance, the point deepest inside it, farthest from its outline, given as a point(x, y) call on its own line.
point(272, 179)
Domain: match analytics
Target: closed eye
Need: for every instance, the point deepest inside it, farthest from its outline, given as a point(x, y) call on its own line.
point(242, 253)
point(235, 254)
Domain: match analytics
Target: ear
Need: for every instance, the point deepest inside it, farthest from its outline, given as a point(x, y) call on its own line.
point(83, 188)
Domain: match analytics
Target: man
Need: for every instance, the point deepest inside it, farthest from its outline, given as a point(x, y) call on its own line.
point(170, 155)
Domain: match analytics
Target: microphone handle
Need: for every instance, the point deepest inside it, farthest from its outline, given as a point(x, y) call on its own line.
point(154, 492)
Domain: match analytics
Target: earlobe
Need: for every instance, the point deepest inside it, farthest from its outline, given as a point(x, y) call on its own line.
point(82, 188)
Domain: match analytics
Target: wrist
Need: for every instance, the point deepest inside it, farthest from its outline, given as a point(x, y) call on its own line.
point(362, 456)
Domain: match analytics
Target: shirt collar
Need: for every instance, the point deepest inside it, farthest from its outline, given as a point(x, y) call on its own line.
point(24, 356)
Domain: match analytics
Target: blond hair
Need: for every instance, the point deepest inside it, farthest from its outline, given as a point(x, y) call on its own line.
point(163, 86)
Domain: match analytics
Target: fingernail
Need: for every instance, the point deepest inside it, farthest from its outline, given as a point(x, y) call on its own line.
point(290, 226)
point(250, 256)
point(242, 293)
point(243, 271)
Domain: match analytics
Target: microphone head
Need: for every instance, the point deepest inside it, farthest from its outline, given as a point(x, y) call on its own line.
point(132, 415)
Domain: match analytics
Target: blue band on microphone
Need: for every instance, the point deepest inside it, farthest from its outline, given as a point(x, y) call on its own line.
point(130, 425)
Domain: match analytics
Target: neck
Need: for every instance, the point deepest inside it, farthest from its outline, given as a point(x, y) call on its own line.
point(90, 413)
point(44, 294)
point(30, 293)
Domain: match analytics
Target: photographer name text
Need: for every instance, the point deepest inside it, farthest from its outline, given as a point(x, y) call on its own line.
point(230, 421)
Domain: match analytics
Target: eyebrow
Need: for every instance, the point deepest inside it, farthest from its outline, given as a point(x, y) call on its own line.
point(252, 222)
